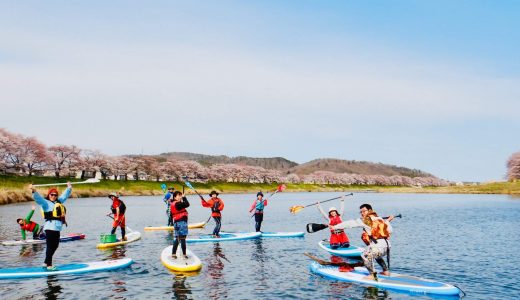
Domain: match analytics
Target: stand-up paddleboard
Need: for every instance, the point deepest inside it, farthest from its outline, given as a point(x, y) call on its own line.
point(224, 236)
point(180, 264)
point(78, 268)
point(69, 237)
point(394, 281)
point(352, 251)
point(130, 237)
point(190, 226)
point(283, 234)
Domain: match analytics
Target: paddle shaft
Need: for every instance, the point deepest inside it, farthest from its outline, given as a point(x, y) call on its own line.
point(62, 183)
point(351, 194)
point(120, 223)
point(326, 226)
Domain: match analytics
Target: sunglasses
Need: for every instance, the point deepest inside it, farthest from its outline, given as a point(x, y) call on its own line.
point(55, 195)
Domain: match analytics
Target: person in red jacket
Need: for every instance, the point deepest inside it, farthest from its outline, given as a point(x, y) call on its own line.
point(338, 237)
point(118, 209)
point(217, 205)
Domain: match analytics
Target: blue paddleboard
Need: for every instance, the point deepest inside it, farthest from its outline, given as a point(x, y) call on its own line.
point(283, 234)
point(351, 251)
point(224, 236)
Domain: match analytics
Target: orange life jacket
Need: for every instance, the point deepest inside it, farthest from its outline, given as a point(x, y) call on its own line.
point(28, 226)
point(379, 230)
point(178, 214)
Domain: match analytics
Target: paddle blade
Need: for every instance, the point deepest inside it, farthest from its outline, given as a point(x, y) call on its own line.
point(163, 187)
point(294, 209)
point(281, 188)
point(90, 180)
point(188, 184)
point(313, 227)
point(398, 216)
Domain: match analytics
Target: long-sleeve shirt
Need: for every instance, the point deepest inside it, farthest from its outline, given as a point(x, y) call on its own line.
point(215, 211)
point(253, 206)
point(326, 216)
point(181, 205)
point(48, 205)
point(380, 243)
point(27, 221)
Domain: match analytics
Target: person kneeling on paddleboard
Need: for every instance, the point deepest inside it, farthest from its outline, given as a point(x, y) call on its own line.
point(376, 233)
point(54, 214)
point(258, 206)
point(180, 222)
point(338, 237)
point(118, 209)
point(217, 205)
point(28, 225)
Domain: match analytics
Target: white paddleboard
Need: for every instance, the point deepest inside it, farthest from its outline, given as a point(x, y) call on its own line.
point(180, 264)
point(67, 238)
point(224, 236)
point(283, 234)
point(130, 237)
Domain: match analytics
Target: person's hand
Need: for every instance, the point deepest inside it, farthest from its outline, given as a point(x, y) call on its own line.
point(69, 185)
point(331, 227)
point(390, 218)
point(31, 188)
point(33, 207)
point(108, 215)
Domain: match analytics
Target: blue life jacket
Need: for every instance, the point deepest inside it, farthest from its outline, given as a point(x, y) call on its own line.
point(260, 205)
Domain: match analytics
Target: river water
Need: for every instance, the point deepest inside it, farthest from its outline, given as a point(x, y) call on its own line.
point(468, 240)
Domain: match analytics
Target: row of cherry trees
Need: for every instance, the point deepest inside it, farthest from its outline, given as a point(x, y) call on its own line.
point(27, 155)
point(513, 167)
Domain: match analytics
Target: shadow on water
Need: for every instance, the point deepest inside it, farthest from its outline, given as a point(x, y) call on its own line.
point(53, 289)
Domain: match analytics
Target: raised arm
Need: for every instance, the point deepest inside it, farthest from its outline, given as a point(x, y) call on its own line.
point(38, 198)
point(322, 212)
point(66, 194)
point(341, 205)
point(30, 214)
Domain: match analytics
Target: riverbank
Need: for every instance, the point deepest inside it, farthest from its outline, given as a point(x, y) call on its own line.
point(13, 189)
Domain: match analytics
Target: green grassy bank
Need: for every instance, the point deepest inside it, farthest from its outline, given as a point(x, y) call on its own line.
point(13, 189)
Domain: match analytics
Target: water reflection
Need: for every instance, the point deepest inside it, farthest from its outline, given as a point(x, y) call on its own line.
point(180, 289)
point(217, 284)
point(259, 255)
point(115, 253)
point(373, 293)
point(119, 286)
point(31, 250)
point(53, 289)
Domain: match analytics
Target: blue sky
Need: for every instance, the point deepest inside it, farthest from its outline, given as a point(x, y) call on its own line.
point(427, 85)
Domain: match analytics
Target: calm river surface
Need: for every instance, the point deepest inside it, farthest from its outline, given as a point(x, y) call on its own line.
point(468, 240)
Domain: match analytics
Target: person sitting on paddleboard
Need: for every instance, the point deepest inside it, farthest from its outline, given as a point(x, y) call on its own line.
point(338, 237)
point(258, 206)
point(54, 214)
point(168, 198)
point(217, 205)
point(376, 234)
point(28, 225)
point(180, 222)
point(118, 209)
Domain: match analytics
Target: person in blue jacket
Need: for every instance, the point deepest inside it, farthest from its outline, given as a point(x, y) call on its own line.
point(168, 198)
point(54, 215)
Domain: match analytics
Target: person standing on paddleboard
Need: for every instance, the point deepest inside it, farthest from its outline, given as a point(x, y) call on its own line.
point(118, 209)
point(258, 206)
point(376, 234)
point(338, 237)
point(28, 225)
point(217, 205)
point(54, 214)
point(180, 222)
point(168, 198)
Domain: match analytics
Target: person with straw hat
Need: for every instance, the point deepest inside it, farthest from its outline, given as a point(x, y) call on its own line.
point(338, 237)
point(217, 205)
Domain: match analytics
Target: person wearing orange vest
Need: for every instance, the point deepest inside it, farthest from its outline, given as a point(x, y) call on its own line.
point(376, 234)
point(217, 205)
point(28, 225)
point(180, 222)
point(338, 237)
point(118, 209)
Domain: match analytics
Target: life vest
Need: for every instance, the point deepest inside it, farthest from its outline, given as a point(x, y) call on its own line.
point(335, 221)
point(178, 214)
point(120, 204)
point(378, 230)
point(216, 204)
point(259, 205)
point(58, 212)
point(28, 226)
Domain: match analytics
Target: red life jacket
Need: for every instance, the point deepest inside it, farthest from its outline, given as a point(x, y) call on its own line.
point(178, 214)
point(28, 226)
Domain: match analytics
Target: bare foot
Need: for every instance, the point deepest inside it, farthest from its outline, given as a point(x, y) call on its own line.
point(385, 273)
point(369, 277)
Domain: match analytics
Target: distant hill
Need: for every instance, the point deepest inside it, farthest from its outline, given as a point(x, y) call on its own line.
point(287, 166)
point(355, 167)
point(276, 163)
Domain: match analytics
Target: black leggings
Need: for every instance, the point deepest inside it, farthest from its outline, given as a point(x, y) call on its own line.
point(53, 241)
point(176, 244)
point(218, 223)
point(122, 231)
point(258, 221)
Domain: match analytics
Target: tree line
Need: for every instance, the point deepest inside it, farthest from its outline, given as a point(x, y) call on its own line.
point(28, 156)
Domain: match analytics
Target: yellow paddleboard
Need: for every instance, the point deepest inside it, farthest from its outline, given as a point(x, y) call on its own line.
point(130, 237)
point(190, 226)
point(191, 264)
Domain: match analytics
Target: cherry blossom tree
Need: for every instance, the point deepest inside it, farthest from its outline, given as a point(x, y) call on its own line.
point(64, 158)
point(513, 167)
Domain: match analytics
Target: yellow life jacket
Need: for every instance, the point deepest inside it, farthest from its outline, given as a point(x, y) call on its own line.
point(58, 212)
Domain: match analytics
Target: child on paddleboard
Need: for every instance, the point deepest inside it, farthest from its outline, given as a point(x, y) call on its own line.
point(376, 234)
point(180, 222)
point(118, 209)
point(217, 205)
point(258, 206)
point(30, 226)
point(54, 214)
point(338, 237)
point(168, 198)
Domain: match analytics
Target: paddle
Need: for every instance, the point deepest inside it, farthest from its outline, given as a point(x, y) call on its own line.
point(90, 180)
point(280, 188)
point(188, 184)
point(329, 263)
point(164, 188)
point(296, 208)
point(313, 227)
